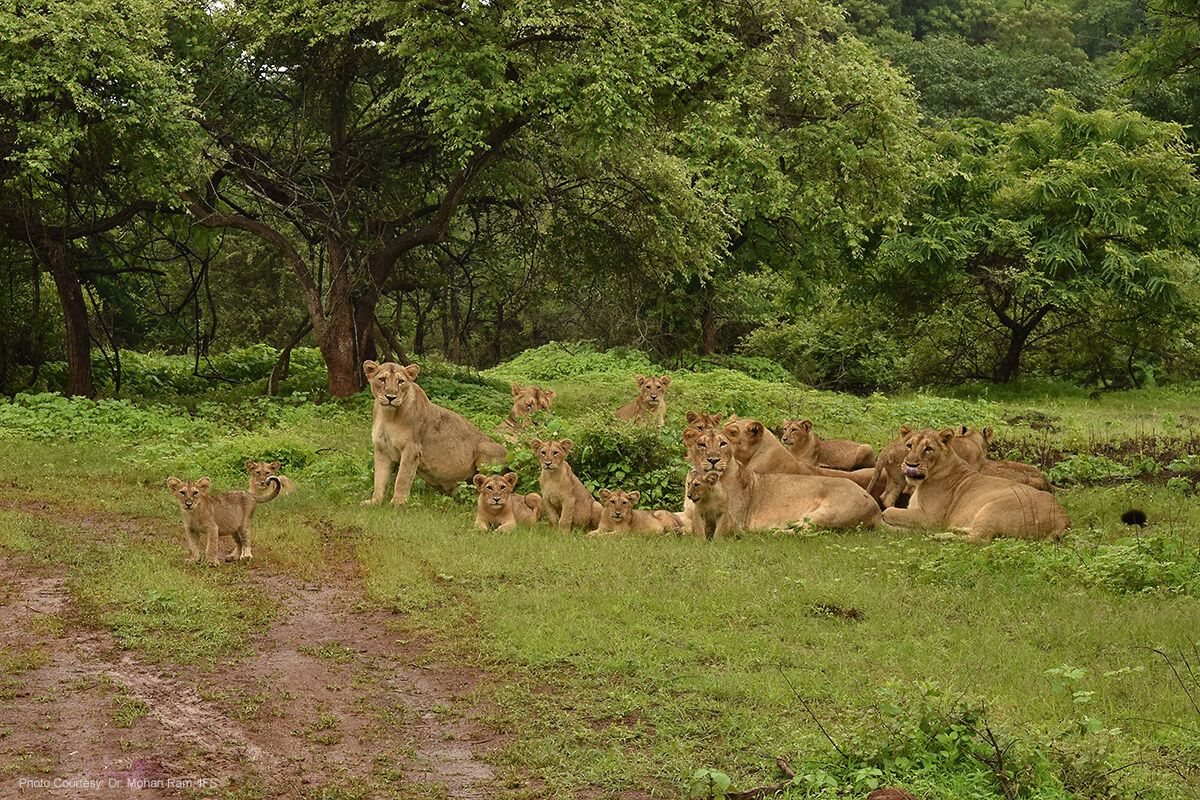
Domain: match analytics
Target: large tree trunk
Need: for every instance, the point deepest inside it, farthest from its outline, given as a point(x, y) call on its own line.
point(57, 259)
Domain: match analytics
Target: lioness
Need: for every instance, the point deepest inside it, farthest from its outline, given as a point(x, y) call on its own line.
point(497, 505)
point(428, 440)
point(261, 471)
point(947, 493)
point(887, 481)
point(808, 448)
point(217, 515)
point(618, 515)
point(701, 421)
point(651, 402)
point(565, 499)
point(760, 451)
point(526, 402)
point(749, 499)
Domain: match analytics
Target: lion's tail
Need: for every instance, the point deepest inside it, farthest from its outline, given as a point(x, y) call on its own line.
point(268, 498)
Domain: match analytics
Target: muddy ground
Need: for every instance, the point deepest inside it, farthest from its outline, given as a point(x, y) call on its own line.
point(331, 701)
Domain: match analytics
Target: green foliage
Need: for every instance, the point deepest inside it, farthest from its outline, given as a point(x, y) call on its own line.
point(559, 360)
point(1086, 468)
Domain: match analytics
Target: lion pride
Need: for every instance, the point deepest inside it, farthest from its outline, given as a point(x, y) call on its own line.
point(947, 493)
point(440, 446)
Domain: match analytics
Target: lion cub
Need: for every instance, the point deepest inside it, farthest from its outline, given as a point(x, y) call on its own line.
point(808, 448)
point(214, 515)
point(565, 499)
point(260, 474)
point(651, 402)
point(618, 515)
point(526, 402)
point(497, 505)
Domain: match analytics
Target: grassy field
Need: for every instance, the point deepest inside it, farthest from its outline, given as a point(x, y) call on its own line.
point(634, 667)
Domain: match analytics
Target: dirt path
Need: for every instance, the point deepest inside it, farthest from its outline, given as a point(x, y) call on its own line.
point(332, 701)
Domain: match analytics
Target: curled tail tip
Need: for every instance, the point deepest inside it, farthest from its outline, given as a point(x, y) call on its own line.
point(1134, 516)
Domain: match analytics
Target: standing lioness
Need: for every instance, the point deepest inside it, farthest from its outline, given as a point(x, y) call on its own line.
point(427, 440)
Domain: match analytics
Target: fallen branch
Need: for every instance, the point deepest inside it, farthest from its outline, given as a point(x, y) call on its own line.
point(763, 791)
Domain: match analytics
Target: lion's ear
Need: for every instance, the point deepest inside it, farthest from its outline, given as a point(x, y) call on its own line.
point(604, 494)
point(806, 425)
point(691, 417)
point(249, 465)
point(203, 485)
point(734, 417)
point(478, 481)
point(946, 435)
point(905, 431)
point(712, 477)
point(173, 484)
point(666, 381)
point(511, 479)
point(641, 381)
point(690, 435)
point(962, 430)
point(754, 432)
point(988, 433)
point(370, 368)
point(516, 389)
point(536, 444)
point(274, 465)
point(566, 445)
point(634, 497)
point(547, 396)
point(412, 370)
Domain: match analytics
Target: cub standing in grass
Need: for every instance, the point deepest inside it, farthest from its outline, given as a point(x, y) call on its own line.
point(651, 402)
point(442, 447)
point(565, 499)
point(216, 515)
point(260, 474)
point(498, 506)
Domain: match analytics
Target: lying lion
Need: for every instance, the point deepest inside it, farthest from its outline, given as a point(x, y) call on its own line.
point(808, 448)
point(651, 402)
point(761, 451)
point(947, 493)
point(526, 402)
point(565, 499)
point(744, 499)
point(498, 507)
point(887, 480)
point(440, 446)
point(213, 516)
point(618, 515)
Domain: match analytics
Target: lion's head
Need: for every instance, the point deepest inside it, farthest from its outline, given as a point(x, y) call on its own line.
point(652, 389)
point(551, 454)
point(701, 421)
point(529, 400)
point(618, 504)
point(708, 451)
point(926, 451)
point(390, 383)
point(260, 471)
point(794, 431)
point(699, 484)
point(188, 493)
point(744, 435)
point(495, 490)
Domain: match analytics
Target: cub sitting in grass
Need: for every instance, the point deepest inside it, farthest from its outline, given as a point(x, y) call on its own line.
point(498, 507)
point(618, 515)
point(216, 515)
point(260, 474)
point(651, 402)
point(565, 499)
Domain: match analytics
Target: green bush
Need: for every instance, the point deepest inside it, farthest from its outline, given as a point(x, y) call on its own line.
point(559, 360)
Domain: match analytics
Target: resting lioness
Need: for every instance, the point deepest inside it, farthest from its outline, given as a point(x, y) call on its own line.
point(808, 448)
point(565, 499)
point(888, 484)
point(749, 499)
point(618, 515)
point(217, 515)
point(526, 402)
point(756, 447)
point(651, 402)
point(430, 441)
point(261, 472)
point(947, 493)
point(498, 507)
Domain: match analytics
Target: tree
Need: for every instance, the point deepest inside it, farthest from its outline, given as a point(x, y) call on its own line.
point(1054, 216)
point(92, 134)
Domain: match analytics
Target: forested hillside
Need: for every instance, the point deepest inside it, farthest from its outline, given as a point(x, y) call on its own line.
point(877, 194)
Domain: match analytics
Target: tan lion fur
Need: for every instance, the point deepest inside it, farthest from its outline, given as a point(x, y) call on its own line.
point(440, 446)
point(618, 515)
point(527, 401)
point(948, 494)
point(498, 507)
point(1019, 472)
point(747, 499)
point(887, 480)
point(761, 451)
point(802, 441)
point(651, 402)
point(260, 472)
point(213, 516)
point(701, 421)
point(565, 500)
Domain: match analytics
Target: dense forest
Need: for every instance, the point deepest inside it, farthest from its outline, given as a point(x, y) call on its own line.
point(876, 194)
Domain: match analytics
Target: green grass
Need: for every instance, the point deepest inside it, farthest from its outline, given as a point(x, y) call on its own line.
point(629, 664)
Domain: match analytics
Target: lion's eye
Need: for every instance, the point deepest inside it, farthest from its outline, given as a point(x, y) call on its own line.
point(928, 449)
